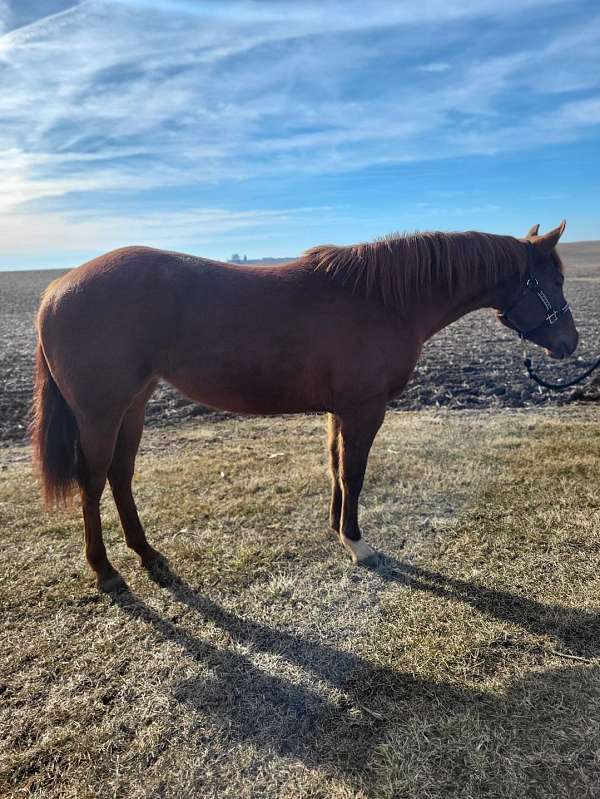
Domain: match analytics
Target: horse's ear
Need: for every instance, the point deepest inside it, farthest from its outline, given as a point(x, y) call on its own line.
point(533, 231)
point(548, 241)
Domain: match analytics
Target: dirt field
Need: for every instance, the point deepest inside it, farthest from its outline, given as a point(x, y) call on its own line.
point(474, 364)
point(265, 665)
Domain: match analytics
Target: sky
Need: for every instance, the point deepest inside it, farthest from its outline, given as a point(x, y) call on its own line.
point(268, 127)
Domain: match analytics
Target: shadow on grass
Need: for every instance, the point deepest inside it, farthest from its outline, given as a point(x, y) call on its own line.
point(325, 717)
point(577, 630)
point(336, 710)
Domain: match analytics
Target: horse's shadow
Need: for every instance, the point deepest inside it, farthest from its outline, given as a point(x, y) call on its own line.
point(326, 706)
point(576, 631)
point(312, 705)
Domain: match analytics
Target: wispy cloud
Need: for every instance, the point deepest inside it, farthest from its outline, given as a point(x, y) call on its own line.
point(73, 232)
point(133, 95)
point(434, 66)
point(4, 16)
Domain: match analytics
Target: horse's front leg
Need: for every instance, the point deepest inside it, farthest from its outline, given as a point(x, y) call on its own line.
point(333, 441)
point(357, 429)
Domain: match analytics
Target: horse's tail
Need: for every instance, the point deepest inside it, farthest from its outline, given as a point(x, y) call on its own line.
point(54, 435)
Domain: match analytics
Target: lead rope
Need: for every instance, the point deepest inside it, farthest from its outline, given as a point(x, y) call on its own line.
point(545, 383)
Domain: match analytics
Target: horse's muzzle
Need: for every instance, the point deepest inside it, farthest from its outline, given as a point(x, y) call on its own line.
point(564, 349)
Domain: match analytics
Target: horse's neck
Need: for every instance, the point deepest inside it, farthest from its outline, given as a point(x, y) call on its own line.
point(439, 313)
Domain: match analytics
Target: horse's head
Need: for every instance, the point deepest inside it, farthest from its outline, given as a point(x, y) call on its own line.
point(537, 308)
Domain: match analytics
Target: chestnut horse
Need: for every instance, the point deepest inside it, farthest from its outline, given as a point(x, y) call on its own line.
point(338, 330)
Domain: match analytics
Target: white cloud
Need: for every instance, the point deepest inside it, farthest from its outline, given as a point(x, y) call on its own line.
point(434, 66)
point(143, 94)
point(4, 16)
point(99, 232)
point(580, 112)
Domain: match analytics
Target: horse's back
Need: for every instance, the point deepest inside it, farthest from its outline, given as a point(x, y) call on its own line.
point(258, 340)
point(135, 314)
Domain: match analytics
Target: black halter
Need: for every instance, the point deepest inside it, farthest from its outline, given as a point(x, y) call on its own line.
point(531, 287)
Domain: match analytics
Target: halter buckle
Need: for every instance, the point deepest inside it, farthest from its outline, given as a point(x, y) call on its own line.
point(552, 317)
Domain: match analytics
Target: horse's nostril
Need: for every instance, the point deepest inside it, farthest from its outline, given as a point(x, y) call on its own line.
point(566, 350)
point(559, 352)
point(575, 342)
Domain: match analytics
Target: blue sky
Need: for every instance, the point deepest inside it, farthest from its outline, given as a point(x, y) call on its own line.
point(267, 127)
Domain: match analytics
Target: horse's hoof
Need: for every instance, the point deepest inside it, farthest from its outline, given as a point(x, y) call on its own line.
point(152, 559)
point(114, 584)
point(157, 567)
point(362, 554)
point(369, 562)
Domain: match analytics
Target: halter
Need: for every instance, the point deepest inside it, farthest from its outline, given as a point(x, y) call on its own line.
point(532, 286)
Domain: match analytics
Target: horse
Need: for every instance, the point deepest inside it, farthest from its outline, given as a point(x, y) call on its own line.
point(337, 330)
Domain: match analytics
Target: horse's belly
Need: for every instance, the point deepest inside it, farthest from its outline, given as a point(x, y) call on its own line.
point(250, 396)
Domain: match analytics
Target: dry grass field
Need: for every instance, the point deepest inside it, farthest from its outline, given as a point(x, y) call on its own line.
point(264, 665)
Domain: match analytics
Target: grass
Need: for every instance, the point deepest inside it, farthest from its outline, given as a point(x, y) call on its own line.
point(265, 665)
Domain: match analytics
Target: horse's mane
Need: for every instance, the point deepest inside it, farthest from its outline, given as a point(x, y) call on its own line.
point(402, 268)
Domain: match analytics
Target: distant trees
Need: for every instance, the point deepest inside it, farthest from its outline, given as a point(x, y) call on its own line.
point(236, 258)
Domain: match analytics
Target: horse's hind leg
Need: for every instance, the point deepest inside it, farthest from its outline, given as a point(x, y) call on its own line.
point(358, 428)
point(96, 446)
point(120, 476)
